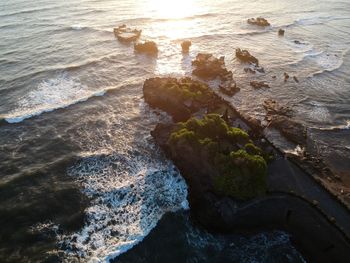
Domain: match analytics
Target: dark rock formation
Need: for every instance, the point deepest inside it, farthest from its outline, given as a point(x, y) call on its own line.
point(209, 67)
point(211, 156)
point(259, 84)
point(214, 157)
point(281, 32)
point(295, 79)
point(123, 33)
point(286, 76)
point(229, 89)
point(246, 70)
point(297, 42)
point(245, 56)
point(260, 21)
point(148, 47)
point(279, 117)
point(273, 108)
point(185, 45)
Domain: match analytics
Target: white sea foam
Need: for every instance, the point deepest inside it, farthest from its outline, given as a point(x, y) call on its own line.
point(129, 197)
point(327, 61)
point(319, 112)
point(50, 95)
point(128, 180)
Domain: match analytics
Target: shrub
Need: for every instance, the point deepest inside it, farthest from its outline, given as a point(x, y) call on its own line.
point(241, 173)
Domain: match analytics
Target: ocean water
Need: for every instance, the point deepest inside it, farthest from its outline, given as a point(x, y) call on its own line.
point(80, 176)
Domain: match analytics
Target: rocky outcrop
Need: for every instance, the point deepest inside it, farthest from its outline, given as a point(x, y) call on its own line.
point(259, 84)
point(260, 21)
point(185, 45)
point(229, 89)
point(209, 67)
point(148, 47)
point(125, 34)
point(272, 107)
point(214, 157)
point(211, 156)
point(280, 117)
point(179, 97)
point(286, 76)
point(245, 56)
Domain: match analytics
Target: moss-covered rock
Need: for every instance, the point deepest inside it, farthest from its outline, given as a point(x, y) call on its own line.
point(237, 167)
point(178, 97)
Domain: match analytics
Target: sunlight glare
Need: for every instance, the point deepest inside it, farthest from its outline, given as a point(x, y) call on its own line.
point(174, 9)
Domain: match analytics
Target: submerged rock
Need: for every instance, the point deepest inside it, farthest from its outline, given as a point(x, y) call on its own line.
point(123, 33)
point(260, 21)
point(148, 47)
point(185, 45)
point(281, 32)
point(245, 56)
point(295, 79)
point(259, 84)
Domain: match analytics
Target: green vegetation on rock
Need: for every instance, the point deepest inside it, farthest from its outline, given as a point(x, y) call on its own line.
point(188, 89)
point(240, 165)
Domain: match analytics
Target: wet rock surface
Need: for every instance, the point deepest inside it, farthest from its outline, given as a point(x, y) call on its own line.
point(185, 46)
point(259, 21)
point(259, 84)
point(209, 67)
point(280, 117)
point(244, 56)
point(126, 34)
point(148, 47)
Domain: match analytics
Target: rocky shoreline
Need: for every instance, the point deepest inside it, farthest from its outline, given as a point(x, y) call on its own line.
point(315, 234)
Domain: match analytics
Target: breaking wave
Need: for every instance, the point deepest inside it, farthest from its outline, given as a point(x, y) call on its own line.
point(50, 95)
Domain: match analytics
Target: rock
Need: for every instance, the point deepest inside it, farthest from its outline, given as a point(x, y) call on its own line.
point(125, 34)
point(281, 32)
point(297, 42)
point(209, 67)
point(245, 56)
point(259, 84)
point(279, 117)
point(148, 47)
point(291, 129)
point(229, 88)
point(295, 79)
point(215, 157)
point(246, 70)
point(274, 77)
point(260, 69)
point(260, 21)
point(185, 45)
point(286, 76)
point(179, 98)
point(273, 108)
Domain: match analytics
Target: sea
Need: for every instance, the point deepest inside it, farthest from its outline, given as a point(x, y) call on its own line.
point(81, 179)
